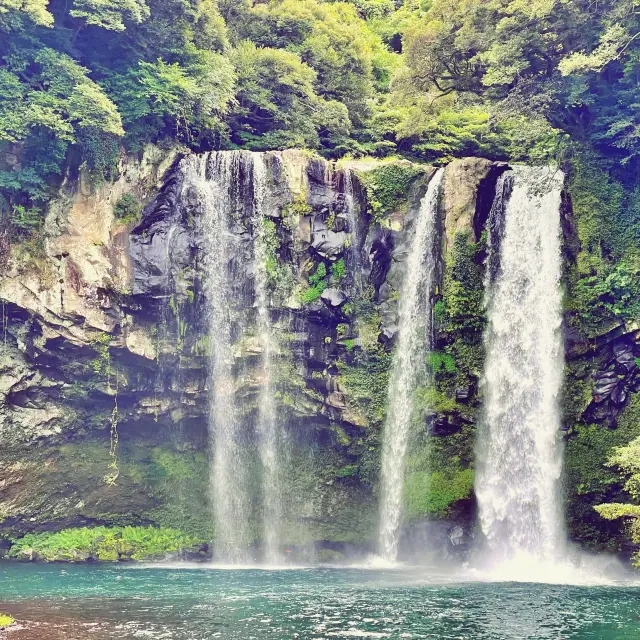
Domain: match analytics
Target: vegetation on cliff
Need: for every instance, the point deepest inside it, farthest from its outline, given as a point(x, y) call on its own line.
point(104, 544)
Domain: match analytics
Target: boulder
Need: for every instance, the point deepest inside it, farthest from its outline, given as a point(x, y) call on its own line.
point(333, 298)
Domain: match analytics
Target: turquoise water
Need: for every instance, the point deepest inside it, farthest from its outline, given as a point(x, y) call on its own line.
point(84, 602)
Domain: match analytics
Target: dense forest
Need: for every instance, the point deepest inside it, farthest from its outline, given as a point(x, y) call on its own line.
point(539, 81)
point(432, 80)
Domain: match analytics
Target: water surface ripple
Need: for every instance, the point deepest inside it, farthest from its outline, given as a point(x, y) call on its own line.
point(104, 603)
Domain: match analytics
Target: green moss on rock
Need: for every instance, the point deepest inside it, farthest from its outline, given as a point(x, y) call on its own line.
point(433, 493)
point(386, 188)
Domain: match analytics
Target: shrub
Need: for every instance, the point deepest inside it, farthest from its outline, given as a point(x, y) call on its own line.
point(317, 285)
point(127, 209)
point(387, 188)
point(106, 544)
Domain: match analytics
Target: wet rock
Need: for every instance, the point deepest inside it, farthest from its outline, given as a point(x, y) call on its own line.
point(333, 298)
point(381, 245)
point(336, 400)
point(605, 383)
point(619, 395)
point(325, 241)
point(462, 180)
point(625, 360)
point(442, 425)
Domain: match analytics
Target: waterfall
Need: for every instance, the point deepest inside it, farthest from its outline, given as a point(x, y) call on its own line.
point(271, 445)
point(409, 368)
point(211, 179)
point(519, 456)
point(229, 190)
point(354, 228)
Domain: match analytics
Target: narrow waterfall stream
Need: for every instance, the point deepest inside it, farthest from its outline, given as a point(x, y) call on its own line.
point(211, 178)
point(219, 181)
point(409, 369)
point(519, 455)
point(270, 436)
point(353, 215)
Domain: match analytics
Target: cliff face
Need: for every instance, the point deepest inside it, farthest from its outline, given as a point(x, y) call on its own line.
point(104, 388)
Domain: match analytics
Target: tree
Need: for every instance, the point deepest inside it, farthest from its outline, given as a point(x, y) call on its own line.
point(16, 14)
point(277, 104)
point(110, 14)
point(628, 460)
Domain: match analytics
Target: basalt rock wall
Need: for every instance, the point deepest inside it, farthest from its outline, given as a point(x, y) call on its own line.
point(103, 353)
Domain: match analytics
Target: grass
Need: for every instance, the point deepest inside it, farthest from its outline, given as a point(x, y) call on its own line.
point(6, 621)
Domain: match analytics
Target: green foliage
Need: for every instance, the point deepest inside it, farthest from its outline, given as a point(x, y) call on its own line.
point(347, 58)
point(110, 14)
point(26, 220)
point(498, 79)
point(350, 344)
point(6, 621)
point(317, 285)
point(433, 494)
point(627, 459)
point(430, 399)
point(105, 544)
point(367, 381)
point(590, 480)
point(277, 103)
point(604, 283)
point(464, 287)
point(127, 209)
point(158, 95)
point(439, 361)
point(371, 9)
point(342, 329)
point(459, 318)
point(338, 270)
point(386, 187)
point(101, 365)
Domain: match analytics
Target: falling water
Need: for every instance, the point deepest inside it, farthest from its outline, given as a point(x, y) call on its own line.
point(519, 457)
point(211, 179)
point(352, 220)
point(409, 366)
point(270, 435)
point(221, 184)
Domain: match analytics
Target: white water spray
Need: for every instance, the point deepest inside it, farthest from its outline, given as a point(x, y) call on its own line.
point(519, 451)
point(269, 430)
point(211, 180)
point(409, 369)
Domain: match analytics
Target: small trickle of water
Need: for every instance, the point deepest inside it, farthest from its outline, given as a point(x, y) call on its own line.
point(409, 369)
point(519, 452)
point(354, 229)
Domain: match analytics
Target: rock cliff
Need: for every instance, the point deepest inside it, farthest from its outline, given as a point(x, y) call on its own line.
point(103, 357)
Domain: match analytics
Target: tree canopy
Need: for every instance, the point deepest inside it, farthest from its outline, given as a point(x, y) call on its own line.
point(430, 79)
